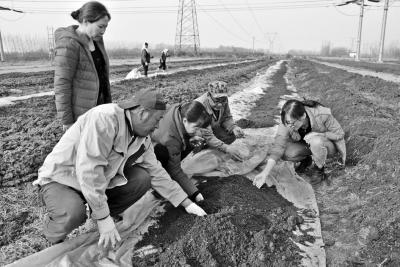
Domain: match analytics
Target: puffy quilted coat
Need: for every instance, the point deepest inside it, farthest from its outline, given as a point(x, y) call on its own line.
point(76, 83)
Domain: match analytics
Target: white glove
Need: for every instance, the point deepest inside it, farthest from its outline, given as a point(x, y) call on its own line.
point(199, 198)
point(259, 180)
point(195, 209)
point(108, 232)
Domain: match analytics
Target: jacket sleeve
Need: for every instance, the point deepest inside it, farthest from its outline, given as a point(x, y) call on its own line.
point(228, 122)
point(160, 179)
point(66, 63)
point(211, 139)
point(143, 56)
point(96, 142)
point(334, 130)
point(281, 139)
point(174, 167)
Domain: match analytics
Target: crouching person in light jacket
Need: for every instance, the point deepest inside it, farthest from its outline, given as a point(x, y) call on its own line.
point(106, 159)
point(222, 131)
point(308, 133)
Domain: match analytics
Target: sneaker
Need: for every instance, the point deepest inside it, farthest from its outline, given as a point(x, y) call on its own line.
point(318, 175)
point(304, 164)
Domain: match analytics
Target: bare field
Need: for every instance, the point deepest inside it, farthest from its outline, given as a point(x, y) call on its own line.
point(359, 207)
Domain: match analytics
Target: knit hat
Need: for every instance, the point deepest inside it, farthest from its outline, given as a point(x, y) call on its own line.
point(146, 98)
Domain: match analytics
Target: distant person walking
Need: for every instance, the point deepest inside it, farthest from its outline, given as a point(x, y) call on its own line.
point(145, 58)
point(163, 60)
point(81, 78)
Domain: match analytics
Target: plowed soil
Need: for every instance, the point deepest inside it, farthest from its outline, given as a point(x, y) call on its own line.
point(244, 226)
point(360, 208)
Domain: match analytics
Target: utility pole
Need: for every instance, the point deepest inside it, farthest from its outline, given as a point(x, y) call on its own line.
point(51, 42)
point(359, 31)
point(254, 39)
point(2, 57)
point(271, 36)
point(382, 40)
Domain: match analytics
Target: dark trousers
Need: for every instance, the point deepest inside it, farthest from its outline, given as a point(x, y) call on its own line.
point(66, 206)
point(163, 65)
point(145, 69)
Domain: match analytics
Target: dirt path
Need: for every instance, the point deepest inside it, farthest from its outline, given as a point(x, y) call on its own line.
point(385, 76)
point(39, 66)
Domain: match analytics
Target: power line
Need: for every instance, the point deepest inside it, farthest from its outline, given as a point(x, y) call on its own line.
point(209, 7)
point(254, 17)
point(225, 28)
point(234, 19)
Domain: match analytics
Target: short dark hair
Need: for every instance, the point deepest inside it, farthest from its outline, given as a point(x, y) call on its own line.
point(295, 108)
point(195, 112)
point(90, 11)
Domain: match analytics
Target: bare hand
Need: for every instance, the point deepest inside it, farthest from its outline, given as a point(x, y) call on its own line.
point(238, 132)
point(235, 153)
point(108, 232)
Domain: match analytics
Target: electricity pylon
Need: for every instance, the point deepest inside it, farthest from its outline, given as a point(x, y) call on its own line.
point(187, 36)
point(51, 43)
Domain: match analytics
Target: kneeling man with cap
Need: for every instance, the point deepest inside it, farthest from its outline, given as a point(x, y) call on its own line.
point(106, 159)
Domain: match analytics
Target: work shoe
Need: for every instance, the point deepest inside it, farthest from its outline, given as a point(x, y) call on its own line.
point(304, 164)
point(318, 175)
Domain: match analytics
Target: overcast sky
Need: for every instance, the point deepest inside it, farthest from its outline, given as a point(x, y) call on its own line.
point(290, 24)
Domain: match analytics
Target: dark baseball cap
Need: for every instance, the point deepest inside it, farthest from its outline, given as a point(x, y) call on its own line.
point(146, 98)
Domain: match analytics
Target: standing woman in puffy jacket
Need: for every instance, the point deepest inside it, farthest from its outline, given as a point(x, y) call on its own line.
point(308, 133)
point(81, 79)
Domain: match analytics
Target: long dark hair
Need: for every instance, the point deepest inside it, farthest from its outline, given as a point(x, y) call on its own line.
point(295, 108)
point(90, 11)
point(195, 112)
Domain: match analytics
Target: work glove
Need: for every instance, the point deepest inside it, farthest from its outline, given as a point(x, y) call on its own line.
point(259, 179)
point(235, 153)
point(238, 132)
point(108, 232)
point(199, 198)
point(195, 209)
